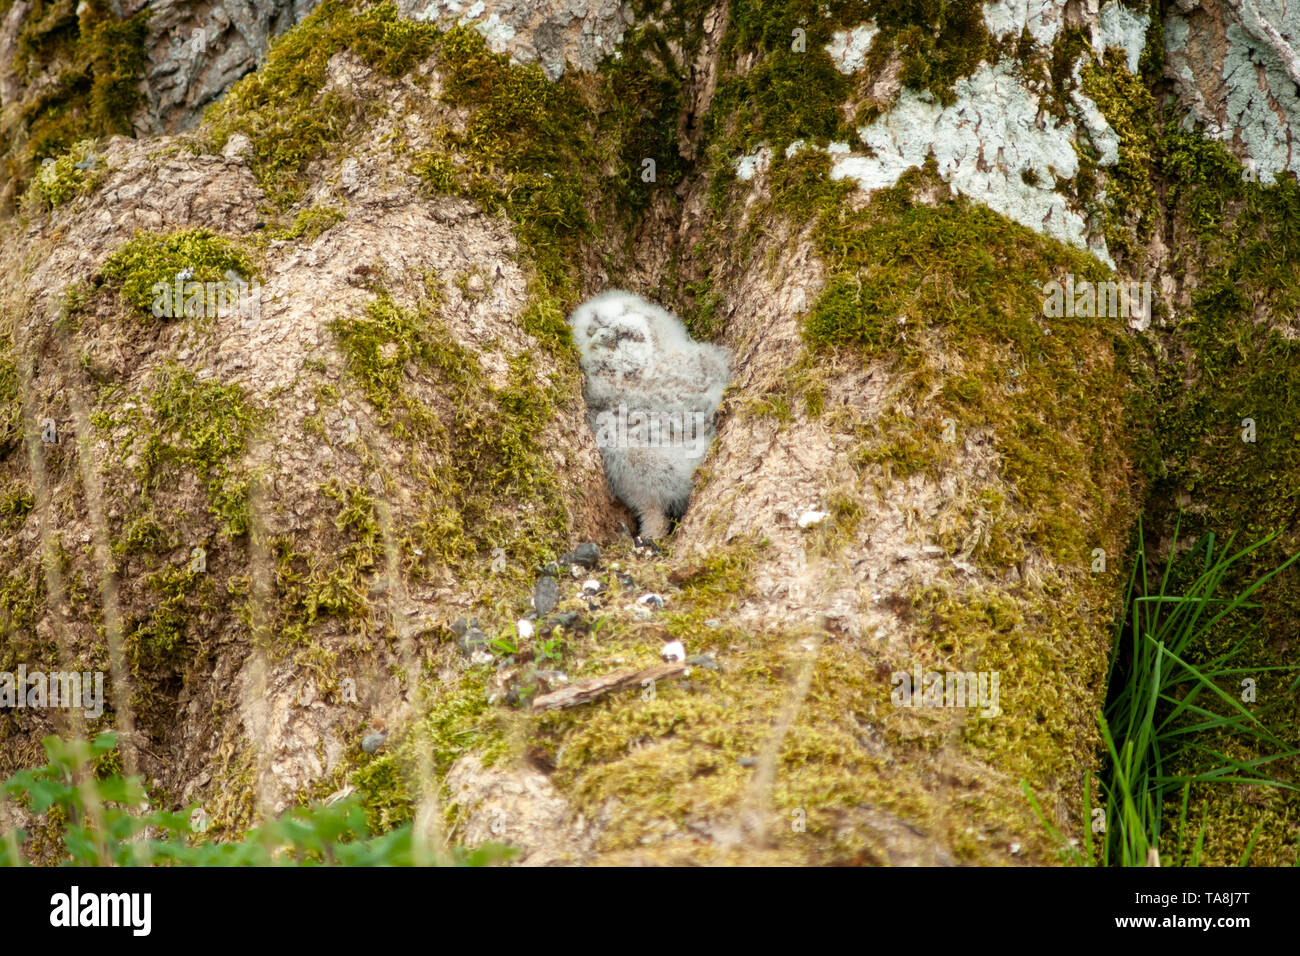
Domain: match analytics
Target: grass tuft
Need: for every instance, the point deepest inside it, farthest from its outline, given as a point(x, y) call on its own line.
point(1174, 722)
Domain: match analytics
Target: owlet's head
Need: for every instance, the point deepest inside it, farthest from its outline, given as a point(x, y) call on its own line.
point(612, 338)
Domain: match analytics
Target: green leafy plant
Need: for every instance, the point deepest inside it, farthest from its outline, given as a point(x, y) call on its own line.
point(106, 820)
point(505, 645)
point(1164, 710)
point(551, 648)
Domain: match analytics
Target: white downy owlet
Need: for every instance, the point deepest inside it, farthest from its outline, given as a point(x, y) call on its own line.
point(652, 392)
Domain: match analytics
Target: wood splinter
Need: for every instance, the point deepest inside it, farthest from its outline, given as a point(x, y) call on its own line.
point(592, 688)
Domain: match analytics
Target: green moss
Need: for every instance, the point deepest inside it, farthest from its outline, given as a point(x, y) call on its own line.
point(480, 446)
point(11, 406)
point(283, 107)
point(526, 150)
point(74, 173)
point(22, 594)
point(439, 172)
point(609, 754)
point(1205, 182)
point(378, 347)
point(117, 62)
point(179, 435)
point(155, 647)
point(569, 161)
point(905, 281)
point(335, 585)
point(203, 427)
point(144, 534)
point(97, 60)
point(458, 720)
point(387, 789)
point(324, 581)
point(1130, 109)
point(641, 102)
point(146, 270)
point(721, 580)
point(680, 757)
point(16, 503)
point(461, 721)
point(1071, 44)
point(546, 321)
point(794, 91)
point(939, 42)
point(311, 222)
